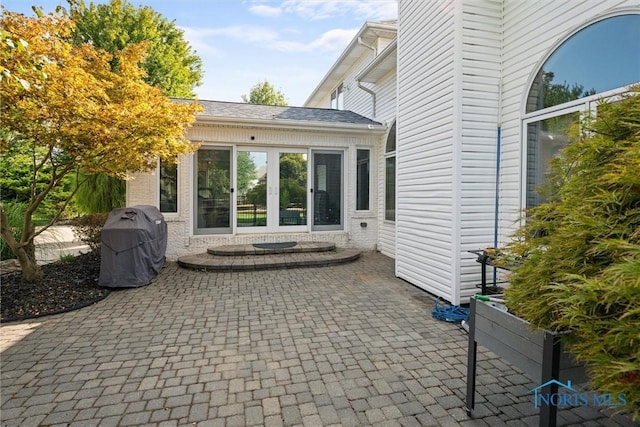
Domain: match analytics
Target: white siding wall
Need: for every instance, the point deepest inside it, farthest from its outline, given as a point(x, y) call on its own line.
point(481, 61)
point(532, 30)
point(426, 195)
point(143, 189)
point(359, 101)
point(452, 57)
point(386, 91)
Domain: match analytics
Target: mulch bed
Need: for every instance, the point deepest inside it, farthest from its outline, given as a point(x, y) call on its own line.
point(66, 286)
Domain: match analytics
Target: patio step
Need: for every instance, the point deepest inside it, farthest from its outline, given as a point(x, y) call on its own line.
point(270, 257)
point(272, 248)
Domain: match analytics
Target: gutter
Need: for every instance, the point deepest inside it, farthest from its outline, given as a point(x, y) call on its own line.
point(360, 85)
point(345, 53)
point(289, 124)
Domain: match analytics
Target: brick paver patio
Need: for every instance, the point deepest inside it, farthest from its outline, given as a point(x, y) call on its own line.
point(347, 345)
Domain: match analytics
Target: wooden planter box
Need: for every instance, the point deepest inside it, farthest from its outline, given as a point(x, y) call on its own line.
point(537, 353)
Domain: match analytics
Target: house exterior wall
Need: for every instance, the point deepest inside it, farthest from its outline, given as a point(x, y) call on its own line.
point(144, 188)
point(426, 146)
point(532, 30)
point(386, 106)
point(465, 67)
point(480, 62)
point(359, 101)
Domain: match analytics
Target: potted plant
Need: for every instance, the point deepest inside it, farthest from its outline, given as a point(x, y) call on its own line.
point(579, 252)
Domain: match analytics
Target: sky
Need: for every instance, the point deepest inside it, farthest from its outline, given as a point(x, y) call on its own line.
point(290, 43)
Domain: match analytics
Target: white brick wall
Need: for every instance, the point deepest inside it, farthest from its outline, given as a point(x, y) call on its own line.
point(143, 188)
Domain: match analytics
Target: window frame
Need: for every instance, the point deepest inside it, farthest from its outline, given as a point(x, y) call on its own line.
point(204, 231)
point(337, 96)
point(369, 170)
point(387, 156)
point(583, 106)
point(557, 47)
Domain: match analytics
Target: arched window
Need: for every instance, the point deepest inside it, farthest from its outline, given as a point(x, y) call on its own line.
point(598, 58)
point(598, 61)
point(390, 175)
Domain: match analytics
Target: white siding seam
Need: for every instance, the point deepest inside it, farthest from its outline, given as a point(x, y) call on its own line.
point(458, 71)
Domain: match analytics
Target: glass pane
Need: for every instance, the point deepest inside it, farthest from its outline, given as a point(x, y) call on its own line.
point(340, 100)
point(168, 187)
point(252, 189)
point(391, 139)
point(293, 189)
point(600, 57)
point(390, 189)
point(545, 139)
point(213, 188)
point(362, 184)
point(327, 191)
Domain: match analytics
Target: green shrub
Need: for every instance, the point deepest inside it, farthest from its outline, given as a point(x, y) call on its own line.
point(66, 258)
point(581, 251)
point(89, 229)
point(15, 214)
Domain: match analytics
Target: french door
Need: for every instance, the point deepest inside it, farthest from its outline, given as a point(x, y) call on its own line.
point(327, 190)
point(267, 189)
point(213, 190)
point(271, 189)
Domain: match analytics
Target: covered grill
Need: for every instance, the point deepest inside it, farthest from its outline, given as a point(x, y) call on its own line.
point(134, 242)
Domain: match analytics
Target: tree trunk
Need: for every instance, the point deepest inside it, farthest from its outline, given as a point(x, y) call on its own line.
point(25, 252)
point(31, 271)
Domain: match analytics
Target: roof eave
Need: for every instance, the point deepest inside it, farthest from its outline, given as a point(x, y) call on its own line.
point(291, 124)
point(377, 61)
point(349, 51)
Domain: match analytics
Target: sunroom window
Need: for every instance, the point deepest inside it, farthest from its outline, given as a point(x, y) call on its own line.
point(363, 179)
point(585, 67)
point(390, 176)
point(168, 187)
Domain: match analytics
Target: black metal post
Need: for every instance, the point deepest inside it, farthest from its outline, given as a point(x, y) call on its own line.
point(551, 350)
point(471, 358)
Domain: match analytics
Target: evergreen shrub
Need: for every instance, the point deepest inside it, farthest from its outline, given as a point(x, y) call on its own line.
point(580, 251)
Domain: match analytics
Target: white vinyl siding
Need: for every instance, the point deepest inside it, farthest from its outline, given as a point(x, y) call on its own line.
point(425, 146)
point(532, 30)
point(453, 58)
point(481, 57)
point(386, 111)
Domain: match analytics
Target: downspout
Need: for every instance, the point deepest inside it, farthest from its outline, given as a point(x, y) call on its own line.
point(360, 85)
point(497, 196)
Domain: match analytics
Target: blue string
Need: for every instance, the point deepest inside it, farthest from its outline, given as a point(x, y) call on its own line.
point(449, 313)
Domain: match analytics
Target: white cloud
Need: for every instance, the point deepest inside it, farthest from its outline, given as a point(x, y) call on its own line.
point(202, 40)
point(336, 39)
point(264, 10)
point(360, 9)
point(197, 40)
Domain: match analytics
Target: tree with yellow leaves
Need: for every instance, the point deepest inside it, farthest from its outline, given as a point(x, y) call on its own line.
point(75, 111)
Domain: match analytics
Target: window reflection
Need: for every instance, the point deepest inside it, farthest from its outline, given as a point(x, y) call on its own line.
point(600, 57)
point(545, 139)
point(168, 186)
point(390, 176)
point(362, 180)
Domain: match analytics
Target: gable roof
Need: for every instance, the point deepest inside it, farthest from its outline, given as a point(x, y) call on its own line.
point(368, 34)
point(237, 112)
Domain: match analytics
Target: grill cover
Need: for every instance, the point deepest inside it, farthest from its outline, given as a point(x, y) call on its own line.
point(134, 242)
